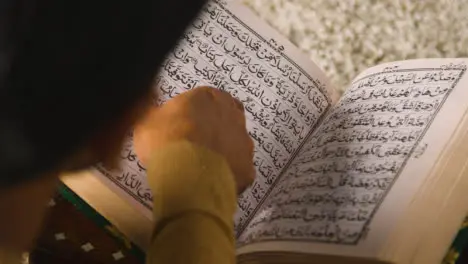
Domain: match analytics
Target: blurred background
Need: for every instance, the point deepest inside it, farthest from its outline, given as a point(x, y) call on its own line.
point(345, 37)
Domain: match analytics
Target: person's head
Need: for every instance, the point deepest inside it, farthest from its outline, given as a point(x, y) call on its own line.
point(74, 77)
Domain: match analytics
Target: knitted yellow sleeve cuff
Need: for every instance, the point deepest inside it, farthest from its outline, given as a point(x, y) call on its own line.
point(187, 177)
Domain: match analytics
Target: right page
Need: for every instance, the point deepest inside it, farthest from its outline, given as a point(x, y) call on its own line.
point(358, 171)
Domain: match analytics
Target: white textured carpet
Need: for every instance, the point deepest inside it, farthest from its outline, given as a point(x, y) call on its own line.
point(346, 36)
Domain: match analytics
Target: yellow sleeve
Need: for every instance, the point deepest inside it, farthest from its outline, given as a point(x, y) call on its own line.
point(194, 203)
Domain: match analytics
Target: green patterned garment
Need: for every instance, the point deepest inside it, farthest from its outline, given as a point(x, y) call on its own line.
point(100, 221)
point(458, 252)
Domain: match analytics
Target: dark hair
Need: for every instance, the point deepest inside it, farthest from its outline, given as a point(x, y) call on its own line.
point(69, 66)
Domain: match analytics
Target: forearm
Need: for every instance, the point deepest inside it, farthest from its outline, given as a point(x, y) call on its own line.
point(194, 203)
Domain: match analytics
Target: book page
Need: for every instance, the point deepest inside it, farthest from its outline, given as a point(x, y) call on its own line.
point(284, 95)
point(356, 173)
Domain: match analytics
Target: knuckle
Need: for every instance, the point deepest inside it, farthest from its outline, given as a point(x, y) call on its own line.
point(251, 178)
point(250, 143)
point(204, 92)
point(204, 88)
point(239, 104)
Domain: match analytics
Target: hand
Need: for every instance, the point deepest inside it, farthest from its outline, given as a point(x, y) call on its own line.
point(206, 116)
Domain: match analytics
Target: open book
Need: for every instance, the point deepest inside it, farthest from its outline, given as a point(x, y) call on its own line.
point(378, 175)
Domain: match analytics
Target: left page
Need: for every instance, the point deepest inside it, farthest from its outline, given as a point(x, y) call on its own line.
point(284, 94)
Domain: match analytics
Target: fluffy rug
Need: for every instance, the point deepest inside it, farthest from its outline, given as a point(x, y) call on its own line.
point(345, 37)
